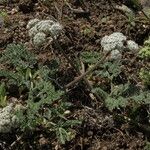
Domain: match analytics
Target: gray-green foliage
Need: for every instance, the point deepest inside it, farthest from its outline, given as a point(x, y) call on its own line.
point(119, 95)
point(109, 70)
point(144, 53)
point(44, 106)
point(136, 3)
point(147, 146)
point(21, 62)
point(17, 55)
point(40, 94)
point(145, 76)
point(90, 57)
point(3, 101)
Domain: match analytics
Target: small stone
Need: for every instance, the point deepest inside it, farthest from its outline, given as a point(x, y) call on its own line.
point(22, 23)
point(67, 112)
point(13, 11)
point(90, 133)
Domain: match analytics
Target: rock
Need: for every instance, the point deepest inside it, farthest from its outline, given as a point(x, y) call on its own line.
point(129, 12)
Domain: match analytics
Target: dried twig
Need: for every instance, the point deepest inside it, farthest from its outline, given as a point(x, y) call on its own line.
point(87, 72)
point(81, 76)
point(59, 11)
point(16, 141)
point(145, 15)
point(77, 11)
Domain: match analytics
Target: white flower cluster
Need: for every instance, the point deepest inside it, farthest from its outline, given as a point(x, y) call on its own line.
point(115, 44)
point(8, 120)
point(41, 31)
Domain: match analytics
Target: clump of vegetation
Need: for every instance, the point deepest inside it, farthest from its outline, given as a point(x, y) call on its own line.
point(17, 56)
point(145, 51)
point(3, 96)
point(4, 19)
point(45, 106)
point(145, 76)
point(117, 95)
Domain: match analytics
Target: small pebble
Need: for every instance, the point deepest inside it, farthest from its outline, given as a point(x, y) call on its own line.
point(14, 11)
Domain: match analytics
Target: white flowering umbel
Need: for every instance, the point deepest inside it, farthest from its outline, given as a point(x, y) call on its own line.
point(39, 38)
point(115, 44)
point(32, 23)
point(113, 41)
point(8, 120)
point(42, 31)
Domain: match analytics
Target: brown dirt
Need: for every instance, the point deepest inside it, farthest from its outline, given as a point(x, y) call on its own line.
point(99, 131)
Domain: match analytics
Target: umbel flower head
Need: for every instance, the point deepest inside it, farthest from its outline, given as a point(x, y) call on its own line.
point(8, 120)
point(145, 50)
point(115, 44)
point(42, 30)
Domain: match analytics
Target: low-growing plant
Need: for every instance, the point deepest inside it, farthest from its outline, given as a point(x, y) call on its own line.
point(147, 146)
point(145, 76)
point(4, 18)
point(18, 56)
point(19, 66)
point(145, 51)
point(44, 106)
point(3, 97)
point(118, 95)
